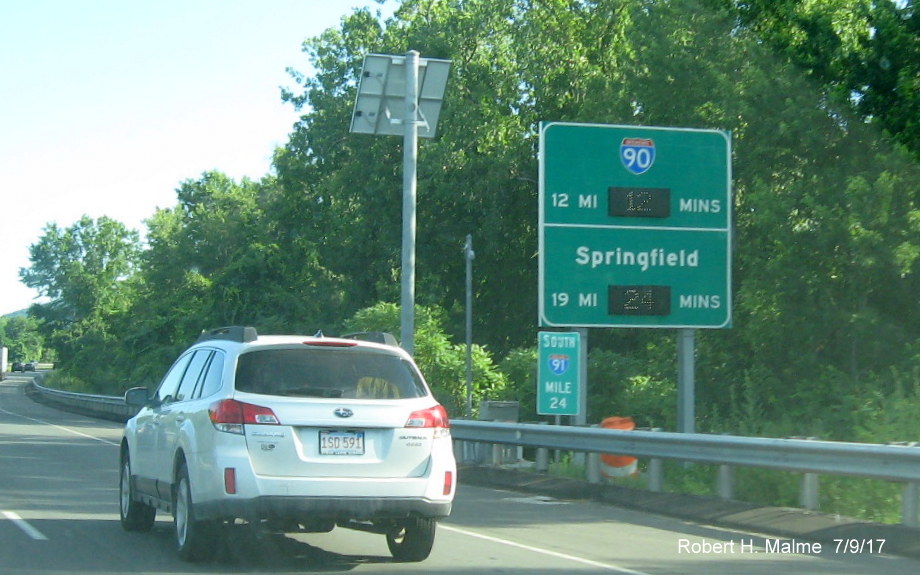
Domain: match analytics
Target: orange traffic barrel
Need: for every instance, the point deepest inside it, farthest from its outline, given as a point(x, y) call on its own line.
point(618, 465)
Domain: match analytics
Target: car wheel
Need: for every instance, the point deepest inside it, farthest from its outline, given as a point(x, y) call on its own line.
point(412, 540)
point(135, 515)
point(194, 538)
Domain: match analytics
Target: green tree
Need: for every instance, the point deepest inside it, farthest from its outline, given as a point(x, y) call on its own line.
point(22, 337)
point(825, 210)
point(346, 188)
point(862, 51)
point(86, 271)
point(83, 268)
point(817, 95)
point(442, 363)
point(221, 257)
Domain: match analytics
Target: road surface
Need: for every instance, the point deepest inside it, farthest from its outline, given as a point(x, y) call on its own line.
point(59, 515)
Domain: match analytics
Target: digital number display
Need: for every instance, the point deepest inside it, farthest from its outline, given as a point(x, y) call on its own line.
point(639, 300)
point(639, 202)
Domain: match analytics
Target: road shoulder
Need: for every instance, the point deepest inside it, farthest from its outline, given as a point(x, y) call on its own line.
point(782, 522)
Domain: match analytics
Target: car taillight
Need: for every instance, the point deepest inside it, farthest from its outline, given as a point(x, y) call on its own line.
point(230, 480)
point(448, 483)
point(435, 417)
point(230, 415)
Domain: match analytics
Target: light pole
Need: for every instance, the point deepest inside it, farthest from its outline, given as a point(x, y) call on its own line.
point(469, 255)
point(402, 95)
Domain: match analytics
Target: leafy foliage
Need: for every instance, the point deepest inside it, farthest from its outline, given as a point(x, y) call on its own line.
point(820, 98)
point(442, 362)
point(22, 337)
point(87, 270)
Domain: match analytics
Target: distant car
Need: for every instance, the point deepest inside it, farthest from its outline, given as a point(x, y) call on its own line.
point(18, 366)
point(30, 366)
point(290, 434)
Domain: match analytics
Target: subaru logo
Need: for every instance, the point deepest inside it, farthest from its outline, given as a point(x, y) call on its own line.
point(344, 412)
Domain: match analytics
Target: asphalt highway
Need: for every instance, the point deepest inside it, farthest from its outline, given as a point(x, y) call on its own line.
point(59, 515)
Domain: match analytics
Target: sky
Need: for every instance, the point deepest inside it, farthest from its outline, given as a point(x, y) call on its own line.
point(106, 106)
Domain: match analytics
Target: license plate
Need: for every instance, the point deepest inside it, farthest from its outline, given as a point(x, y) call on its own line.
point(341, 443)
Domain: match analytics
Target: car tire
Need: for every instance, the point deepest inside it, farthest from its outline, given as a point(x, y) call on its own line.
point(135, 515)
point(194, 538)
point(413, 539)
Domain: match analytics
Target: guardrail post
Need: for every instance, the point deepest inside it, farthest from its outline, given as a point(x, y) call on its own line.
point(726, 481)
point(909, 508)
point(497, 455)
point(808, 497)
point(909, 491)
point(808, 492)
point(655, 472)
point(593, 465)
point(466, 451)
point(542, 460)
point(542, 457)
point(655, 475)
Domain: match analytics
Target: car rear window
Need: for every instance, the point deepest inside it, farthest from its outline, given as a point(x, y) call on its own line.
point(350, 373)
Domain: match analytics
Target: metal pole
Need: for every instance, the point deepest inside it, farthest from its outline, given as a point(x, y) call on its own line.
point(726, 482)
point(909, 504)
point(808, 498)
point(655, 472)
point(582, 417)
point(410, 162)
point(686, 415)
point(469, 255)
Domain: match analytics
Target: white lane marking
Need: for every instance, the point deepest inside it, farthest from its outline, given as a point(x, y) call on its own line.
point(61, 427)
point(542, 551)
point(24, 525)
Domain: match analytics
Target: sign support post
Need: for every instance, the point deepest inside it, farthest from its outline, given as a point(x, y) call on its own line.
point(686, 411)
point(410, 164)
point(581, 418)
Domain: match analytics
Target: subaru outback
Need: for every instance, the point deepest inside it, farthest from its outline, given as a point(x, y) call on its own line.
point(290, 434)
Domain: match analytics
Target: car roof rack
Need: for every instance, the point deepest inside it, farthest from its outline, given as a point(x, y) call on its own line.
point(373, 336)
point(238, 333)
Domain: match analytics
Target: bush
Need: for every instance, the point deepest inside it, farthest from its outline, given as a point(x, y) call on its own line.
point(442, 363)
point(520, 370)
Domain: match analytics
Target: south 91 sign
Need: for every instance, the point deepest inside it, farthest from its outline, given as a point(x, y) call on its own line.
point(558, 385)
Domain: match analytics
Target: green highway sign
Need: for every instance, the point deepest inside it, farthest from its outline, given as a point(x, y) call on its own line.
point(632, 276)
point(635, 227)
point(557, 373)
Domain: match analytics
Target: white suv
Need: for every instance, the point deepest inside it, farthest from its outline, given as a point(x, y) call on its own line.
point(293, 434)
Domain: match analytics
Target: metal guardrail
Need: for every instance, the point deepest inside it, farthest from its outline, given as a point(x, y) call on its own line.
point(886, 462)
point(897, 463)
point(105, 406)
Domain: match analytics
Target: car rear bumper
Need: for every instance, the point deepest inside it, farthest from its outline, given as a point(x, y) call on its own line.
point(337, 508)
